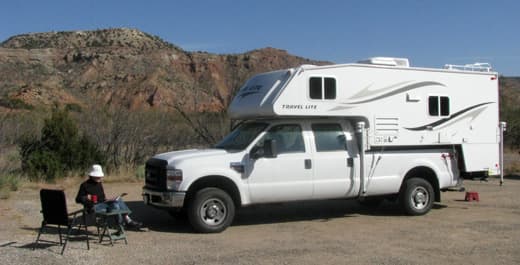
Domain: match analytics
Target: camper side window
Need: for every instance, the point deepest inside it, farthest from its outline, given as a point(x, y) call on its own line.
point(438, 106)
point(322, 88)
point(315, 90)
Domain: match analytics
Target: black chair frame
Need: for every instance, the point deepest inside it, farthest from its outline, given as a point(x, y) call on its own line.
point(55, 215)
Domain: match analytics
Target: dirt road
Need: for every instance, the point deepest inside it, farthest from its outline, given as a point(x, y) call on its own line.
point(326, 232)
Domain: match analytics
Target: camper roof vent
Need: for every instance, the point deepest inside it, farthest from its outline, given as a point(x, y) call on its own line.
point(476, 67)
point(402, 62)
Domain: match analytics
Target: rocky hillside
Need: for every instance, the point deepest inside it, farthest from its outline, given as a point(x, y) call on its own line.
point(135, 70)
point(124, 67)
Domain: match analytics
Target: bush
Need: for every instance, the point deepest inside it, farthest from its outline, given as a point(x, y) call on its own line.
point(73, 107)
point(8, 183)
point(139, 172)
point(59, 150)
point(14, 103)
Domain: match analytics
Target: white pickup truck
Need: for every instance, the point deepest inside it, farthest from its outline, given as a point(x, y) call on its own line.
point(284, 160)
point(369, 131)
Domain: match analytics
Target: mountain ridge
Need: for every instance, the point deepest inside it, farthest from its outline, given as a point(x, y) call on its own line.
point(132, 69)
point(127, 68)
point(117, 37)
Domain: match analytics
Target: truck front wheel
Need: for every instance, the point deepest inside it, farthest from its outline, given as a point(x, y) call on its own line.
point(416, 197)
point(211, 211)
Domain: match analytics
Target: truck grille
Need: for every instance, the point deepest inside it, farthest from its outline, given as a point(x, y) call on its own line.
point(155, 173)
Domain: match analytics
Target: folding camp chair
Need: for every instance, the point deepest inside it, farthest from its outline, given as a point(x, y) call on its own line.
point(54, 210)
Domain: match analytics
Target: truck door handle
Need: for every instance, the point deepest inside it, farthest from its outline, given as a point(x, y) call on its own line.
point(350, 162)
point(308, 164)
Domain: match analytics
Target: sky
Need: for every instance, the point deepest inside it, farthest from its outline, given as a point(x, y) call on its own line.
point(428, 33)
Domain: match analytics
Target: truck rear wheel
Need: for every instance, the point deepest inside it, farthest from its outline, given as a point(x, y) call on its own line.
point(416, 197)
point(211, 211)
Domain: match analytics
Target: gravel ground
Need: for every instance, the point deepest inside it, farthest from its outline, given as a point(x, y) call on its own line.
point(325, 232)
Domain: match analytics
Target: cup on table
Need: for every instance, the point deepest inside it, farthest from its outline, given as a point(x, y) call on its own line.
point(94, 198)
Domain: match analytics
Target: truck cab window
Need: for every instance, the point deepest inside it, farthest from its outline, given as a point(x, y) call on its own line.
point(329, 137)
point(288, 138)
point(240, 138)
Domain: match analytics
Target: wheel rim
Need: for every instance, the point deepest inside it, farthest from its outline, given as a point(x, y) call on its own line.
point(420, 198)
point(213, 212)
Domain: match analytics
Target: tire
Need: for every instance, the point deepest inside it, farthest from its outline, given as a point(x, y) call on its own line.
point(417, 196)
point(211, 211)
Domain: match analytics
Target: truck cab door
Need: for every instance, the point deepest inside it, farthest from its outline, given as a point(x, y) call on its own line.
point(334, 162)
point(284, 176)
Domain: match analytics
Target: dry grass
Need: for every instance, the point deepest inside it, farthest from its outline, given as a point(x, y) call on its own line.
point(8, 183)
point(12, 182)
point(125, 174)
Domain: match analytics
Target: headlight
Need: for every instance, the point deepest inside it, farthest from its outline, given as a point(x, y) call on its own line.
point(173, 179)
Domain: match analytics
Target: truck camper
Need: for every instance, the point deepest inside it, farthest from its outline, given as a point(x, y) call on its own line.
point(369, 130)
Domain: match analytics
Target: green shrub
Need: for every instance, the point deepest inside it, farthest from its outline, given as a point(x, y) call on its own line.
point(14, 103)
point(139, 172)
point(73, 107)
point(59, 150)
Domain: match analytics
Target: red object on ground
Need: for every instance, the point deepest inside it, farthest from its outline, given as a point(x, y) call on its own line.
point(472, 196)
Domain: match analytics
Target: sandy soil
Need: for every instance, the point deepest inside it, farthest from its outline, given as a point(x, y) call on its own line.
point(325, 232)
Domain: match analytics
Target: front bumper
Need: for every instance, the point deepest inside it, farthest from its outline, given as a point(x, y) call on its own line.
point(164, 199)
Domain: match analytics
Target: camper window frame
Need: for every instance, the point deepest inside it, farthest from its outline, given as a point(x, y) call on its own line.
point(326, 92)
point(438, 105)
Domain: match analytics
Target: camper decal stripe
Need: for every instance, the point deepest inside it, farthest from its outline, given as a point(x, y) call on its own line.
point(373, 94)
point(445, 120)
point(367, 92)
point(397, 91)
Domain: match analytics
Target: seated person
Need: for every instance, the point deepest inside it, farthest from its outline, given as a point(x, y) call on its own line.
point(92, 195)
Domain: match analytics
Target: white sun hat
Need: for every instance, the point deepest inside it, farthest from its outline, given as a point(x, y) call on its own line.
point(96, 171)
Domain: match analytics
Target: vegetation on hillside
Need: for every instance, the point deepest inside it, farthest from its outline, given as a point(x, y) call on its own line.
point(510, 110)
point(60, 149)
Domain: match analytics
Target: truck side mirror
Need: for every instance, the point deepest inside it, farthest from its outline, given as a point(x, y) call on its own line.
point(268, 150)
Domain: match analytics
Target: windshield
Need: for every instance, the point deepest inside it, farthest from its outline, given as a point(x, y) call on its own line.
point(242, 136)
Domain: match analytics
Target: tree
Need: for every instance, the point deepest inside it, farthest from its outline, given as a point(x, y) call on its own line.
point(60, 149)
